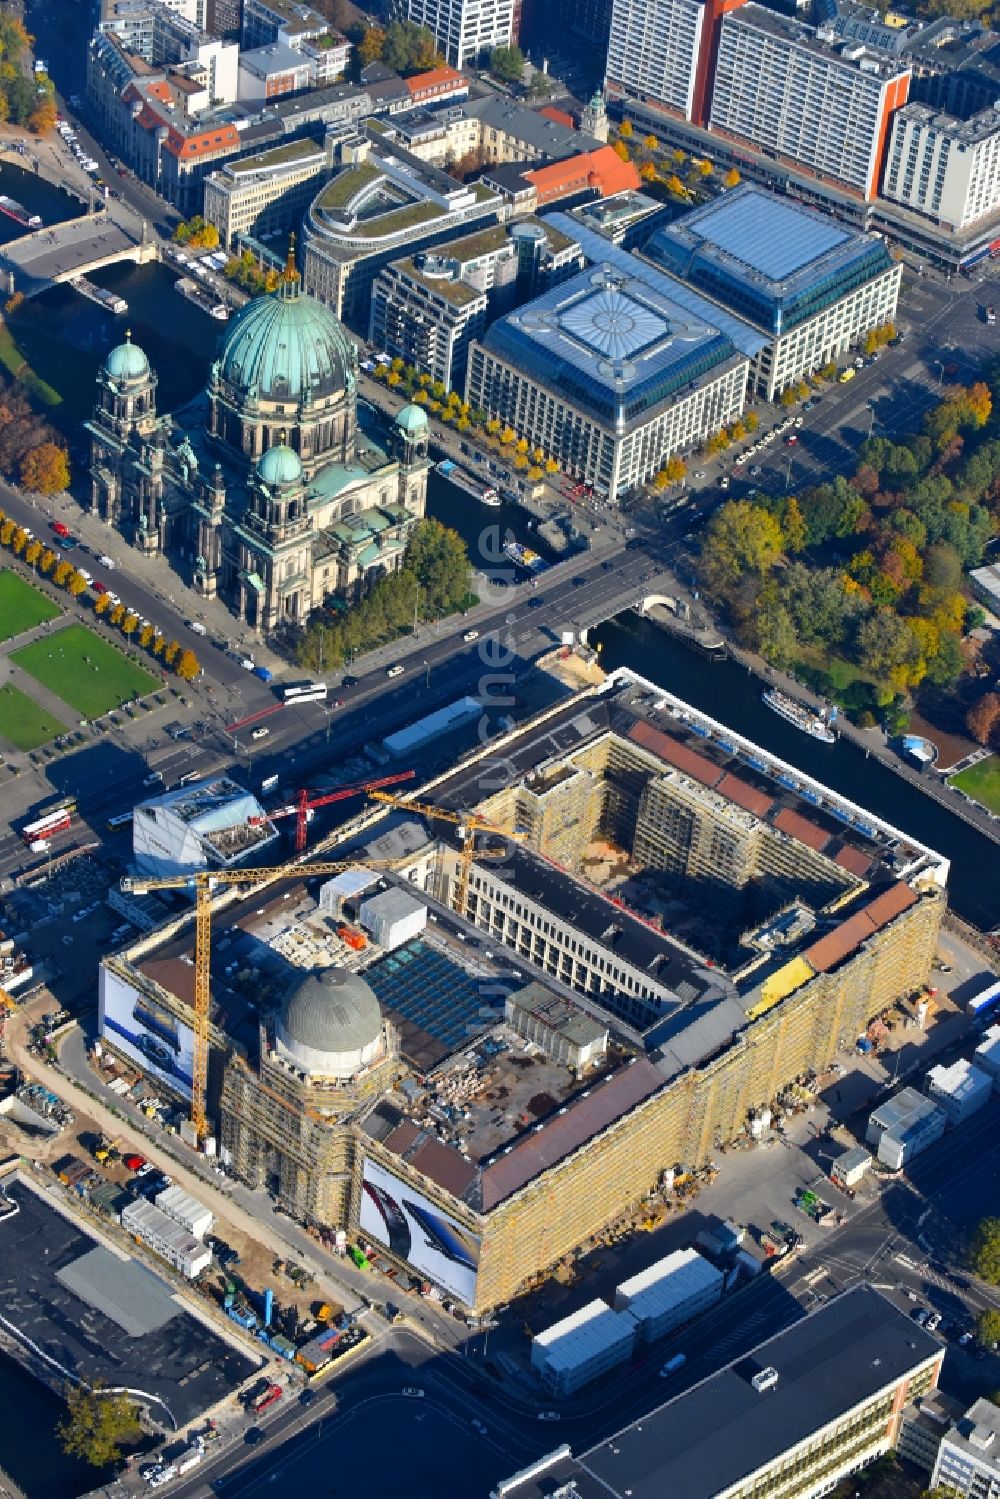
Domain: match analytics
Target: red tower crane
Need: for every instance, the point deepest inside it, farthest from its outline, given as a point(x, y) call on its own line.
point(306, 801)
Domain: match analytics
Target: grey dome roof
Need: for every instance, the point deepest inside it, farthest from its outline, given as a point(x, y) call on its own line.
point(331, 1010)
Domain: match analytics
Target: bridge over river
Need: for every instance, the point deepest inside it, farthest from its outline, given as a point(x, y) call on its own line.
point(64, 252)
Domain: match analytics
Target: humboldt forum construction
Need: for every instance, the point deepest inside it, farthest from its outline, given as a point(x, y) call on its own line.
point(474, 1067)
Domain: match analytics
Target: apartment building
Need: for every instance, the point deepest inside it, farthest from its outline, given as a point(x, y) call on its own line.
point(427, 308)
point(809, 284)
point(271, 72)
point(968, 1459)
point(466, 30)
point(799, 1413)
point(800, 96)
point(946, 168)
point(166, 38)
point(261, 196)
point(267, 21)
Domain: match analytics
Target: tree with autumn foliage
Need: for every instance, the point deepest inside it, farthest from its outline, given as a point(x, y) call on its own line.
point(75, 584)
point(44, 115)
point(62, 573)
point(47, 561)
point(147, 636)
point(32, 552)
point(45, 469)
point(187, 666)
point(102, 604)
point(982, 719)
point(171, 653)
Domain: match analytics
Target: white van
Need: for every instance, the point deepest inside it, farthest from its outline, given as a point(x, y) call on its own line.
point(107, 562)
point(197, 627)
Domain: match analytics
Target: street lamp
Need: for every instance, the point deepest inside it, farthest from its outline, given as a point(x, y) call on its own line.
point(871, 419)
point(427, 675)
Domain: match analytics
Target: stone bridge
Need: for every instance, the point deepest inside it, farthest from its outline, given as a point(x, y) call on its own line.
point(63, 252)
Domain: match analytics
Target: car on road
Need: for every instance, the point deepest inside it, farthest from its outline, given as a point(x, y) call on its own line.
point(723, 481)
point(60, 528)
point(607, 565)
point(470, 635)
point(396, 670)
point(261, 732)
point(535, 603)
point(413, 1392)
point(548, 1415)
point(479, 1426)
point(307, 1397)
point(253, 1436)
point(920, 1315)
point(349, 681)
point(791, 438)
point(933, 1322)
point(578, 582)
point(155, 778)
point(99, 587)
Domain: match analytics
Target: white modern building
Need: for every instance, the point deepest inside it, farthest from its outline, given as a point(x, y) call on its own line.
point(166, 1237)
point(810, 284)
point(960, 1089)
point(574, 1352)
point(988, 1055)
point(186, 1210)
point(392, 917)
point(654, 52)
point(968, 1460)
point(262, 195)
point(802, 97)
point(610, 373)
point(272, 71)
point(946, 168)
point(211, 824)
point(669, 1293)
point(465, 30)
point(903, 1126)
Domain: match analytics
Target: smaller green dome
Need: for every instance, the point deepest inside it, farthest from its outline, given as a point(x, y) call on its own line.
point(411, 420)
point(279, 465)
point(127, 361)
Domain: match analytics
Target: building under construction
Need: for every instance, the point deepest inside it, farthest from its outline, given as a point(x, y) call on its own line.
point(727, 922)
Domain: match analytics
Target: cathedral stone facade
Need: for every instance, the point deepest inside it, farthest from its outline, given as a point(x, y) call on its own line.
point(273, 495)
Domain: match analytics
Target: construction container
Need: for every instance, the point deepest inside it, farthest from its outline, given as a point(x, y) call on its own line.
point(393, 917)
point(669, 1293)
point(186, 1210)
point(959, 1089)
point(574, 1352)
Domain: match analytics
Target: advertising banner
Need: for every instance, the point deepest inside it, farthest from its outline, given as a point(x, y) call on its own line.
point(413, 1229)
point(146, 1031)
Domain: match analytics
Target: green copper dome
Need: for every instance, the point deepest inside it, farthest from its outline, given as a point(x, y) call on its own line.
point(279, 465)
point(127, 361)
point(411, 420)
point(287, 346)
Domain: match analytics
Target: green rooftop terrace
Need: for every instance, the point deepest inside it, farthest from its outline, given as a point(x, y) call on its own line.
point(281, 156)
point(342, 189)
point(411, 216)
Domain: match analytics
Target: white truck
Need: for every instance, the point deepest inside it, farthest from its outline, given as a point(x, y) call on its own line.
point(190, 1457)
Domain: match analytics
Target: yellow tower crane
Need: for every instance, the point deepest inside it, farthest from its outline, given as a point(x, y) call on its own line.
point(204, 882)
point(468, 826)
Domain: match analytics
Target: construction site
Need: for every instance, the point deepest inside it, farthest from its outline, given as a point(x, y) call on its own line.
point(475, 1027)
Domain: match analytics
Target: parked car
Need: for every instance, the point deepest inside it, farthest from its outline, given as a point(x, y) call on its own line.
point(261, 732)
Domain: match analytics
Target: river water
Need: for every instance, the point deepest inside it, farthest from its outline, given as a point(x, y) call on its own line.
point(64, 337)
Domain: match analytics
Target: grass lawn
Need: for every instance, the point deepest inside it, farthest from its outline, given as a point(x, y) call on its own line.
point(981, 781)
point(84, 670)
point(21, 606)
point(23, 723)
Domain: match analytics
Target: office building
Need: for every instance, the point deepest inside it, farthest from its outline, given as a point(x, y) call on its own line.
point(466, 30)
point(581, 1347)
point(261, 197)
point(903, 1126)
point(797, 95)
point(968, 1459)
point(812, 286)
point(609, 374)
point(428, 308)
point(382, 203)
point(272, 71)
point(946, 168)
point(810, 1406)
point(714, 1006)
point(959, 1089)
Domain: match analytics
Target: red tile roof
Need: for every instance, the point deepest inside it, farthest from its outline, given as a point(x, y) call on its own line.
point(675, 753)
point(890, 904)
point(444, 1165)
point(744, 795)
point(602, 170)
point(435, 81)
point(573, 1126)
point(801, 828)
point(853, 860)
point(402, 1137)
point(836, 945)
point(558, 116)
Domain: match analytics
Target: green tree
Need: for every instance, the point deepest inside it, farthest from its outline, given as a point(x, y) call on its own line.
point(988, 1326)
point(437, 558)
point(408, 47)
point(886, 646)
point(507, 64)
point(97, 1425)
point(742, 538)
point(776, 639)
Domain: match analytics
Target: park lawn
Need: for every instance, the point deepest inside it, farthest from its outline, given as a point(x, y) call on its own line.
point(23, 723)
point(981, 781)
point(22, 607)
point(84, 670)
